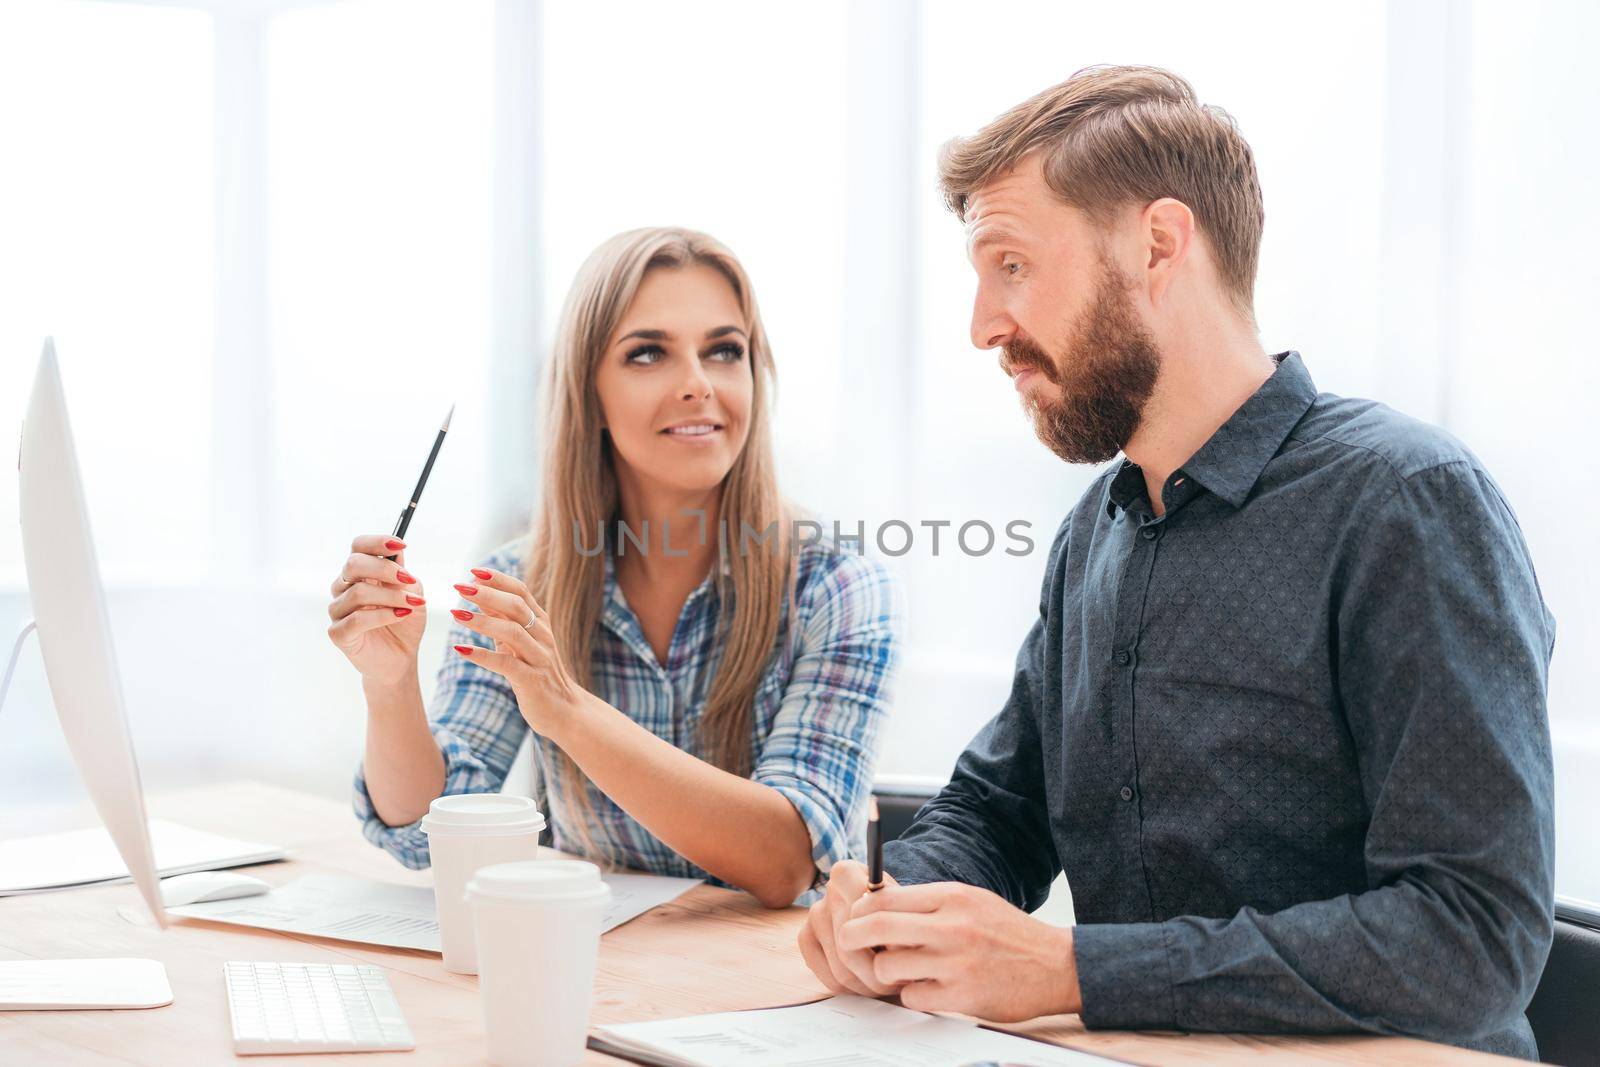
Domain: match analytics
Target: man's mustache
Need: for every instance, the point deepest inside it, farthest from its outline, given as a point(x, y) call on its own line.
point(1022, 354)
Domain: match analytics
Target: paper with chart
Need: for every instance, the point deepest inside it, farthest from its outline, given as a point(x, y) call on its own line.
point(400, 916)
point(331, 905)
point(844, 1031)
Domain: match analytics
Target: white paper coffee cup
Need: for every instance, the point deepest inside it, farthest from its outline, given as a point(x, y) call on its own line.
point(538, 931)
point(467, 831)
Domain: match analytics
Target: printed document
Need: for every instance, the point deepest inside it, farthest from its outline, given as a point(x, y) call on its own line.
point(400, 916)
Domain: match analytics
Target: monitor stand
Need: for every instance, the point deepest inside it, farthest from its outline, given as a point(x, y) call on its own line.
point(11, 665)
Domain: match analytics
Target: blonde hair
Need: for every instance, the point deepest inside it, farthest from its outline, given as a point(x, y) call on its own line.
point(1111, 136)
point(580, 494)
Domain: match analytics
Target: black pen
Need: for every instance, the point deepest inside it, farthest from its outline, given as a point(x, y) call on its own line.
point(874, 847)
point(416, 494)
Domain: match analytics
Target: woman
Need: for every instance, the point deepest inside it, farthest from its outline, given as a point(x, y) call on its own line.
point(706, 698)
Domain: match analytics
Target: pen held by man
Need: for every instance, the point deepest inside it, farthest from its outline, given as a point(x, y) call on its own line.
point(874, 847)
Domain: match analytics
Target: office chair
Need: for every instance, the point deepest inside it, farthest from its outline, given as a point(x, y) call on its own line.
point(1565, 1011)
point(897, 806)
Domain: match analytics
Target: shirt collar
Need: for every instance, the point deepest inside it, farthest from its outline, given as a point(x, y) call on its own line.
point(1231, 461)
point(615, 606)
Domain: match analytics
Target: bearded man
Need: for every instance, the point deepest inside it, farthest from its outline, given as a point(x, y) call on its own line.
point(1282, 718)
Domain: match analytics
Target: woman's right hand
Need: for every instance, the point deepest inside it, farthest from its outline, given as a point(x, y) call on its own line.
point(377, 610)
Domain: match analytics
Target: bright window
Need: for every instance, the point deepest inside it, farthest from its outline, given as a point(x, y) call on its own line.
point(378, 174)
point(106, 243)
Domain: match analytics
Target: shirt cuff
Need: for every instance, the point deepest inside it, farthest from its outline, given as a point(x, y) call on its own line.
point(463, 773)
point(829, 844)
point(1125, 976)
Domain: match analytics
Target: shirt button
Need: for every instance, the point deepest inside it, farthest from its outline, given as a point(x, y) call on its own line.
point(1123, 657)
point(1150, 533)
point(1126, 794)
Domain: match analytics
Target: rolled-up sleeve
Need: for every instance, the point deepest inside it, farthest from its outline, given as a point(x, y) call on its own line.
point(823, 744)
point(478, 727)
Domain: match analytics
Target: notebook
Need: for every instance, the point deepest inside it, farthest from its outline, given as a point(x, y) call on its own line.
point(844, 1031)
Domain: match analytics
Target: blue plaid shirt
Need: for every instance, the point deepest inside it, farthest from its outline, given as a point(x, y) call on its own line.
point(815, 727)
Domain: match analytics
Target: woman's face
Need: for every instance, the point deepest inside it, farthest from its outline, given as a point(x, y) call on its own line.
point(675, 383)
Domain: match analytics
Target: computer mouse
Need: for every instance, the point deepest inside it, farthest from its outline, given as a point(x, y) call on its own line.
point(203, 886)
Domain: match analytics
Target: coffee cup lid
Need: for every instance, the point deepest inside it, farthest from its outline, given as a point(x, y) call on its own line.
point(538, 882)
point(482, 813)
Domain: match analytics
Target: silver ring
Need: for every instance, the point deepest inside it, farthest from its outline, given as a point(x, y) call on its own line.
point(528, 626)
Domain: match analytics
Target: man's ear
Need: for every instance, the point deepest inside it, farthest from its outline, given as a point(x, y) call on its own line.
point(1167, 226)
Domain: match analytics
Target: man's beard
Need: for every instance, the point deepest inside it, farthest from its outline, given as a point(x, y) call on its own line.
point(1105, 378)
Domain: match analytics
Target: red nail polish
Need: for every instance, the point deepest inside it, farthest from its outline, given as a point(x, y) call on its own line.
point(464, 616)
point(406, 578)
point(412, 598)
point(402, 612)
point(394, 544)
point(465, 650)
point(481, 574)
point(467, 590)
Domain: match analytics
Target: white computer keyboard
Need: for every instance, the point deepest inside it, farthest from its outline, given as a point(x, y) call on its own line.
point(313, 1007)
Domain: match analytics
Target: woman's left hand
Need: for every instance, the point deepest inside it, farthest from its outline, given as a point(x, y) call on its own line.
point(525, 652)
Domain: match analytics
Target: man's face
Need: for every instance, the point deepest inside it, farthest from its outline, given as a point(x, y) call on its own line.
point(1052, 298)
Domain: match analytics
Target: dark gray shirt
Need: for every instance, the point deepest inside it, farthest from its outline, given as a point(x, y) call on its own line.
point(1288, 741)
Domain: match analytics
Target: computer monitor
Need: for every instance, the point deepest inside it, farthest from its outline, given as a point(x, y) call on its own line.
point(74, 628)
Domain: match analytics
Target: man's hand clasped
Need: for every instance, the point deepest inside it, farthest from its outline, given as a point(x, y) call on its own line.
point(944, 946)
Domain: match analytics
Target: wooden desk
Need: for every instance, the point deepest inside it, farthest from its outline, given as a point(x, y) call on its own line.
point(711, 950)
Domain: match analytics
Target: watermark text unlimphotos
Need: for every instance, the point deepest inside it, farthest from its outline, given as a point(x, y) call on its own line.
point(893, 537)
